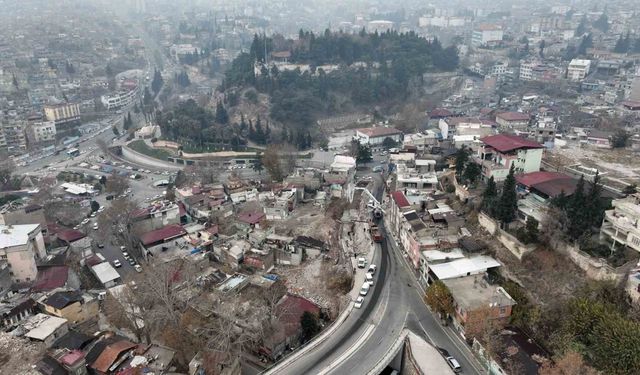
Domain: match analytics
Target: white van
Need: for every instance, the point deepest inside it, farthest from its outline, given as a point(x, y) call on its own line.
point(365, 289)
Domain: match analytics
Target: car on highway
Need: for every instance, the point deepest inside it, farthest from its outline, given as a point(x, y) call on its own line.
point(372, 269)
point(365, 289)
point(454, 364)
point(117, 264)
point(362, 262)
point(358, 303)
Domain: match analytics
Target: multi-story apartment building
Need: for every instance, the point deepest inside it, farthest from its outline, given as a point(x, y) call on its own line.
point(41, 132)
point(12, 134)
point(621, 225)
point(578, 69)
point(486, 34)
point(513, 120)
point(62, 113)
point(120, 99)
point(20, 245)
point(497, 153)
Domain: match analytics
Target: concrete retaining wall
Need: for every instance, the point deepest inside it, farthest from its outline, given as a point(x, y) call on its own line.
point(138, 158)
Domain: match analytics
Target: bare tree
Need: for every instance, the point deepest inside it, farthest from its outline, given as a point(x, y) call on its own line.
point(116, 185)
point(102, 145)
point(117, 221)
point(571, 363)
point(272, 163)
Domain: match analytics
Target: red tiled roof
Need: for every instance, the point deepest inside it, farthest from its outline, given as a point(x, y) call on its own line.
point(513, 116)
point(251, 217)
point(508, 142)
point(533, 178)
point(440, 112)
point(110, 354)
point(70, 235)
point(400, 199)
point(554, 188)
point(379, 131)
point(631, 104)
point(163, 234)
point(51, 277)
point(291, 308)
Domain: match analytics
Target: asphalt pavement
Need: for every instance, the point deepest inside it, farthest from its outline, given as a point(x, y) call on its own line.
point(367, 334)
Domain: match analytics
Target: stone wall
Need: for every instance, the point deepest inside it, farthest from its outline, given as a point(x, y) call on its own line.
point(595, 268)
point(514, 245)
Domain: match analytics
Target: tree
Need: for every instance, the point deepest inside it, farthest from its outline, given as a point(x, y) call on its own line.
point(257, 165)
point(576, 212)
point(116, 132)
point(119, 218)
point(222, 117)
point(582, 27)
point(310, 325)
point(462, 157)
point(95, 206)
point(364, 154)
point(472, 172)
point(620, 139)
point(116, 184)
point(439, 299)
point(570, 363)
point(541, 48)
point(7, 167)
point(585, 43)
point(388, 143)
point(157, 82)
point(183, 79)
point(271, 162)
point(508, 203)
point(489, 196)
point(602, 23)
point(127, 123)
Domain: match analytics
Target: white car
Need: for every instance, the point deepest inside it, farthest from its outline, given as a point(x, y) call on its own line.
point(138, 268)
point(372, 268)
point(454, 364)
point(369, 278)
point(95, 226)
point(358, 303)
point(117, 264)
point(362, 262)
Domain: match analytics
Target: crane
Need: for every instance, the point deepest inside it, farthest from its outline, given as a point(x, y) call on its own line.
point(377, 207)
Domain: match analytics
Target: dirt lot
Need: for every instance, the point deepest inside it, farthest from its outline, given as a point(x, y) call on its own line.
point(17, 355)
point(617, 163)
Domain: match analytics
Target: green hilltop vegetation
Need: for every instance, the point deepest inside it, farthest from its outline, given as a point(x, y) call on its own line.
point(373, 69)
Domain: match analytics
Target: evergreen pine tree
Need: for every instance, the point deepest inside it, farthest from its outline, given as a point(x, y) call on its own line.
point(260, 137)
point(508, 203)
point(222, 117)
point(576, 211)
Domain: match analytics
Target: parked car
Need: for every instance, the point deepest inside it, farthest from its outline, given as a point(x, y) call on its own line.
point(369, 278)
point(362, 262)
point(117, 264)
point(372, 268)
point(358, 303)
point(454, 364)
point(365, 289)
point(132, 262)
point(95, 226)
point(138, 268)
point(100, 246)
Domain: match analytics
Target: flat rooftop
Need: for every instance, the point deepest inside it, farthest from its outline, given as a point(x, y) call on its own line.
point(473, 292)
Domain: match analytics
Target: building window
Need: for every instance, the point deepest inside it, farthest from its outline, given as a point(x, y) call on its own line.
point(503, 311)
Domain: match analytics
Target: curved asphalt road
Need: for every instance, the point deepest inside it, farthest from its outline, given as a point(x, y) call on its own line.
point(366, 335)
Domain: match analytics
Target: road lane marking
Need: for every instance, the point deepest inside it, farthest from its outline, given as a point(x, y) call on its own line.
point(365, 335)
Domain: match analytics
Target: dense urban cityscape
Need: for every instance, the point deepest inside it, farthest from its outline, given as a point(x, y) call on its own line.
point(241, 187)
